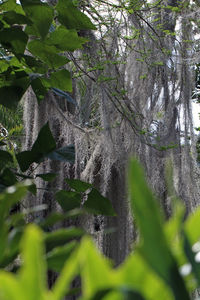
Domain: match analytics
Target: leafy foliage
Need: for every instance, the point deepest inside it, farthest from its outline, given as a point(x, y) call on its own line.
point(31, 26)
point(174, 274)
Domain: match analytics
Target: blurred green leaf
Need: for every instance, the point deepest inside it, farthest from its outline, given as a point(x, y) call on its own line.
point(192, 225)
point(62, 236)
point(154, 250)
point(10, 289)
point(5, 157)
point(7, 177)
point(92, 266)
point(58, 256)
point(32, 275)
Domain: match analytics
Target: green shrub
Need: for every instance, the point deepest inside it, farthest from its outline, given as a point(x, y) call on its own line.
point(164, 264)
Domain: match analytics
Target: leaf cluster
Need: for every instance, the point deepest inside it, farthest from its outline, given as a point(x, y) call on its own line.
point(165, 260)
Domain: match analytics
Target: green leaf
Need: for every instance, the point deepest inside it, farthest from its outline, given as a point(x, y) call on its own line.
point(47, 176)
point(61, 80)
point(14, 38)
point(154, 248)
point(101, 293)
point(191, 227)
point(12, 247)
point(98, 204)
point(41, 15)
point(71, 17)
point(8, 177)
point(191, 258)
point(25, 159)
point(32, 275)
point(4, 65)
point(68, 273)
point(11, 5)
point(11, 95)
point(68, 200)
point(58, 256)
point(51, 220)
point(39, 89)
point(61, 237)
point(65, 40)
point(48, 54)
point(12, 17)
point(95, 269)
point(11, 196)
point(129, 294)
point(10, 289)
point(144, 280)
point(33, 189)
point(35, 65)
point(5, 157)
point(66, 153)
point(78, 185)
point(44, 144)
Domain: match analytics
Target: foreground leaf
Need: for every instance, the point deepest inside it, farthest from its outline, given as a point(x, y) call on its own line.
point(154, 247)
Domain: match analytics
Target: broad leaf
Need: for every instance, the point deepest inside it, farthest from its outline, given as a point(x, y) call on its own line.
point(11, 17)
point(44, 144)
point(62, 236)
point(92, 266)
point(71, 17)
point(154, 248)
point(33, 273)
point(41, 15)
point(35, 65)
point(66, 153)
point(26, 158)
point(60, 80)
point(14, 38)
point(68, 200)
point(65, 40)
point(10, 289)
point(47, 176)
point(5, 157)
point(8, 177)
point(58, 256)
point(11, 95)
point(39, 89)
point(78, 185)
point(48, 54)
point(98, 204)
point(62, 285)
point(11, 5)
